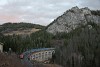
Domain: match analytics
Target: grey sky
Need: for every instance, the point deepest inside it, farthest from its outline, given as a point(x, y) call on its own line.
point(39, 11)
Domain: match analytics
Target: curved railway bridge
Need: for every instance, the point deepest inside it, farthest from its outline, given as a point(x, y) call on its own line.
point(41, 55)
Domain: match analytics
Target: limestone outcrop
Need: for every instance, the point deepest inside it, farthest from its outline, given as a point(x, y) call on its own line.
point(71, 19)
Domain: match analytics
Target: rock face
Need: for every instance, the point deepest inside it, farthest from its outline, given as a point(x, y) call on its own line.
point(71, 19)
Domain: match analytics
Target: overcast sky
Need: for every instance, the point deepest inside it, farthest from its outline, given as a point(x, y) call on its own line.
point(39, 11)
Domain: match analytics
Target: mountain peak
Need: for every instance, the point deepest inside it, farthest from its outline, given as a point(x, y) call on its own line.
point(71, 19)
point(85, 10)
point(75, 8)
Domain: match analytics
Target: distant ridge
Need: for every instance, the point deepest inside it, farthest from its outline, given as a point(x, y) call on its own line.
point(19, 28)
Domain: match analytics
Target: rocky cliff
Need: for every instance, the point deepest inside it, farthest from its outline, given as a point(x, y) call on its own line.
point(71, 19)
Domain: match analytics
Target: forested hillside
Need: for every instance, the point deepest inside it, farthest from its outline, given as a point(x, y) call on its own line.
point(81, 47)
point(8, 27)
point(20, 43)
